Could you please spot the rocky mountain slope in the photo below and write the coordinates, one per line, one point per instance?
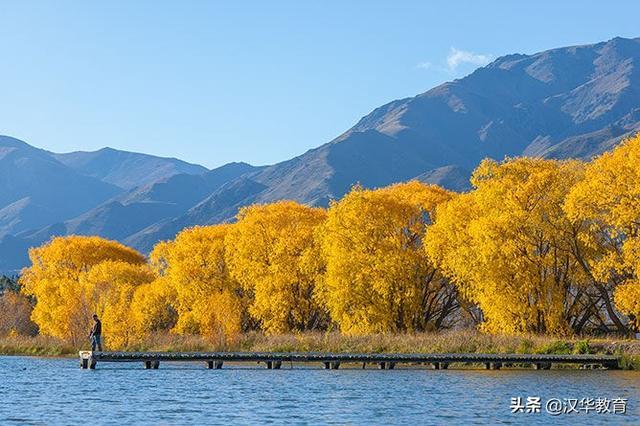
(571, 102)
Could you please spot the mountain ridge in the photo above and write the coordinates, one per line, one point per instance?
(126, 169)
(568, 102)
(36, 188)
(571, 102)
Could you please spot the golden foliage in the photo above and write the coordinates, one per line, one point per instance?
(63, 307)
(607, 202)
(627, 298)
(537, 246)
(378, 277)
(271, 251)
(153, 307)
(507, 245)
(208, 300)
(627, 294)
(108, 288)
(609, 195)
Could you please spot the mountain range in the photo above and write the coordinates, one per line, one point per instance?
(571, 102)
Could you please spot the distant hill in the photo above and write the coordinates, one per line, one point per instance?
(221, 206)
(36, 189)
(571, 102)
(126, 169)
(454, 177)
(131, 212)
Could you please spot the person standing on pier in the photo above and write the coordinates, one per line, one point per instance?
(96, 334)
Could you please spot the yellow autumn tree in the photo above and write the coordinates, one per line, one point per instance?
(627, 298)
(272, 252)
(108, 288)
(378, 277)
(63, 309)
(15, 315)
(627, 294)
(209, 301)
(154, 308)
(155, 305)
(508, 246)
(607, 205)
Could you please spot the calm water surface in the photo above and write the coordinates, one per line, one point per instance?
(56, 391)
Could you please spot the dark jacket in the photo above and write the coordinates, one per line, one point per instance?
(97, 328)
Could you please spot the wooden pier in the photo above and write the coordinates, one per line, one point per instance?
(275, 360)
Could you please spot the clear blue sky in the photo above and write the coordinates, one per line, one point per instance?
(213, 82)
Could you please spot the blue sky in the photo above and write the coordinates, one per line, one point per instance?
(213, 82)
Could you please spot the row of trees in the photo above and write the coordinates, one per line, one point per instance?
(15, 309)
(537, 246)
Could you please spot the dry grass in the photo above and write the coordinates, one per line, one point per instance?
(464, 341)
(36, 346)
(460, 341)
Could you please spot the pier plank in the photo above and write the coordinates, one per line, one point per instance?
(333, 360)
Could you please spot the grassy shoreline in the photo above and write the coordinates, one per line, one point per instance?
(463, 341)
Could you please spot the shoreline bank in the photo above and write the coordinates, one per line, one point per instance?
(463, 341)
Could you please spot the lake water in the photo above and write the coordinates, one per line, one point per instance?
(56, 391)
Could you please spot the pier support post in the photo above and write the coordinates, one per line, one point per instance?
(327, 365)
(151, 364)
(386, 365)
(436, 366)
(88, 364)
(217, 364)
(335, 365)
(487, 365)
(269, 365)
